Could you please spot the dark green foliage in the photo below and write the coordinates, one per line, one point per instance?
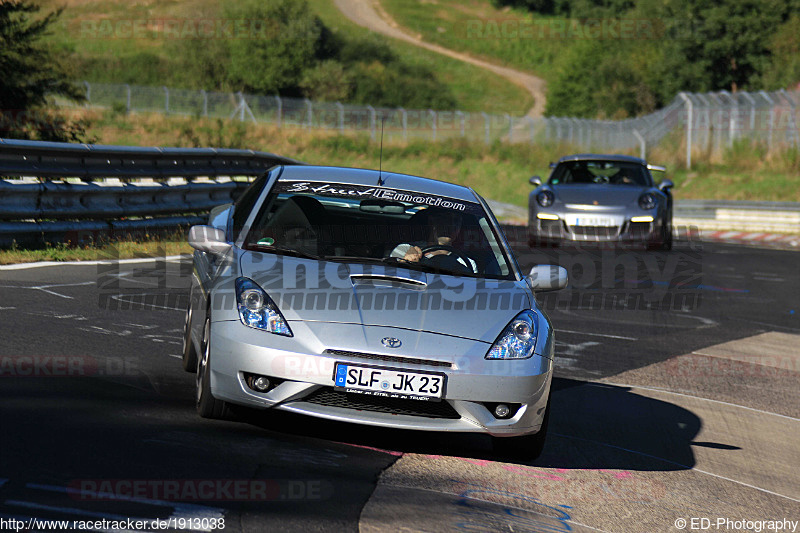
(292, 54)
(699, 45)
(29, 73)
(783, 71)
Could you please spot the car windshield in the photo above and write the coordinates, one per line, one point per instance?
(367, 224)
(602, 172)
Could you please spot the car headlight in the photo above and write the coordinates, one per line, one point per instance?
(647, 201)
(257, 310)
(517, 340)
(545, 198)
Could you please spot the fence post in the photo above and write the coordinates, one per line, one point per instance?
(404, 114)
(731, 117)
(309, 113)
(433, 114)
(88, 93)
(166, 100)
(796, 134)
(532, 122)
(279, 111)
(371, 122)
(752, 111)
(688, 129)
(771, 117)
(127, 98)
(205, 103)
(486, 127)
(510, 120)
(461, 115)
(642, 144)
(341, 116)
(241, 106)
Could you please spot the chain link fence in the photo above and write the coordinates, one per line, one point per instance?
(709, 122)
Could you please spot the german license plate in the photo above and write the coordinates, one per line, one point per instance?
(595, 221)
(389, 382)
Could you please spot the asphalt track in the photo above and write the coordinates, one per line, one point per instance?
(676, 398)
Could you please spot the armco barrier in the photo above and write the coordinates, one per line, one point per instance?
(150, 189)
(124, 189)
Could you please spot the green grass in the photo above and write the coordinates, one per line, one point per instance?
(149, 61)
(106, 251)
(511, 37)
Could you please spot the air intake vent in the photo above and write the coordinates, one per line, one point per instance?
(390, 358)
(332, 398)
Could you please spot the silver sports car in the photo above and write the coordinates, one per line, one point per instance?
(373, 298)
(605, 198)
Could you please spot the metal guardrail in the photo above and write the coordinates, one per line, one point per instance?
(65, 160)
(151, 189)
(716, 215)
(54, 192)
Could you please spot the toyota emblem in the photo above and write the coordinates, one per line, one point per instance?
(391, 342)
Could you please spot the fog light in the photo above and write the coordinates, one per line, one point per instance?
(501, 411)
(261, 384)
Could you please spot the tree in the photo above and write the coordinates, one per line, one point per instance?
(718, 44)
(29, 74)
(279, 42)
(784, 69)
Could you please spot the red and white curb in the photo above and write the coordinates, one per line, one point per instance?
(751, 237)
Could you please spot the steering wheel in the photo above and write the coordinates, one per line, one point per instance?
(455, 253)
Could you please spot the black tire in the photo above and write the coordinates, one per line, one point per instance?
(207, 405)
(525, 448)
(189, 352)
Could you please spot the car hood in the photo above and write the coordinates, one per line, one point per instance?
(609, 195)
(377, 295)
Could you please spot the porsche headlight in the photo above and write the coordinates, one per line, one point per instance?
(545, 198)
(257, 310)
(647, 201)
(518, 339)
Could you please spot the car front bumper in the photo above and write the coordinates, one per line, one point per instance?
(306, 374)
(556, 231)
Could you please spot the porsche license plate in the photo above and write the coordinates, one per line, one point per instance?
(388, 382)
(595, 221)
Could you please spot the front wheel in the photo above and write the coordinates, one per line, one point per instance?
(207, 405)
(189, 359)
(525, 448)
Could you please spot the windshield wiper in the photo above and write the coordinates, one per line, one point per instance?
(281, 250)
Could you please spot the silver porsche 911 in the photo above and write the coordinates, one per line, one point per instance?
(600, 198)
(373, 298)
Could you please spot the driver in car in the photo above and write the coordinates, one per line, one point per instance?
(442, 229)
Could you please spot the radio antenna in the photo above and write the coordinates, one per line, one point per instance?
(380, 158)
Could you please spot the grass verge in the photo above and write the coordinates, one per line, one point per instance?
(109, 251)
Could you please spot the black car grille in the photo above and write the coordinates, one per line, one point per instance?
(333, 398)
(595, 231)
(390, 358)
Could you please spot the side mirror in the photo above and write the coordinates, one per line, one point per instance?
(208, 239)
(665, 185)
(548, 278)
(535, 181)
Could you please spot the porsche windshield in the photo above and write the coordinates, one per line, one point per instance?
(600, 172)
(364, 224)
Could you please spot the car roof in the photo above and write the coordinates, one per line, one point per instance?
(603, 157)
(391, 180)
